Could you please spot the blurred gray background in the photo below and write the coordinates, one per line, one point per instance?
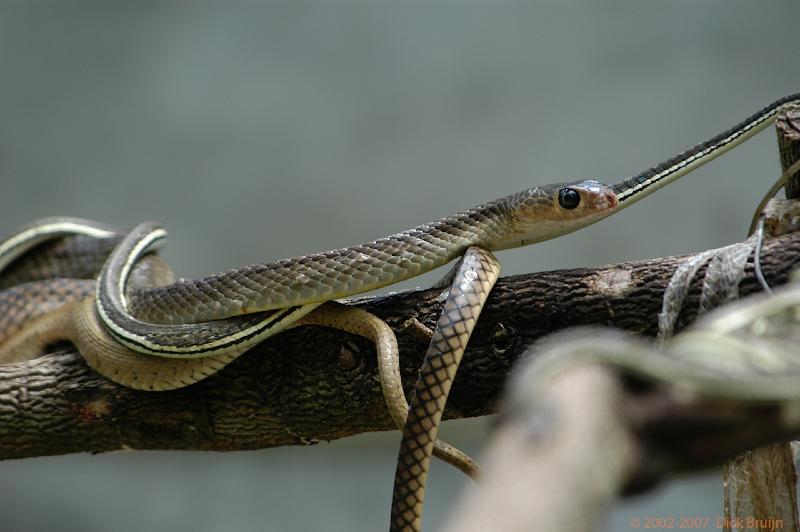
(256, 131)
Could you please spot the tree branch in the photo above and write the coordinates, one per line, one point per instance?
(313, 384)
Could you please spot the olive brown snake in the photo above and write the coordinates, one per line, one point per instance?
(205, 323)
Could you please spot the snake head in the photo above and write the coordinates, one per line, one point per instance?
(583, 198)
(548, 211)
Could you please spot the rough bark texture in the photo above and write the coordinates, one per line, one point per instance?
(308, 385)
(788, 129)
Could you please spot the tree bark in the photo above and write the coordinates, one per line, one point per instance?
(788, 129)
(313, 384)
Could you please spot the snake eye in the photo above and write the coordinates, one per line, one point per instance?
(568, 198)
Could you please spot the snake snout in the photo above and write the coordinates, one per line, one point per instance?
(604, 199)
(609, 198)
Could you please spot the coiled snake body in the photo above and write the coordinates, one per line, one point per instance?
(194, 327)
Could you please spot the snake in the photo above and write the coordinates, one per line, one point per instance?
(47, 300)
(228, 312)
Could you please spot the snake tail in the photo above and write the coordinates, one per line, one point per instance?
(473, 281)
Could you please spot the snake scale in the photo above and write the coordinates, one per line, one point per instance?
(218, 317)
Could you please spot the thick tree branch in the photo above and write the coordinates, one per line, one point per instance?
(317, 384)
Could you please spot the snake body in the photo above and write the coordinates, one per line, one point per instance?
(56, 247)
(472, 282)
(525, 217)
(43, 308)
(215, 310)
